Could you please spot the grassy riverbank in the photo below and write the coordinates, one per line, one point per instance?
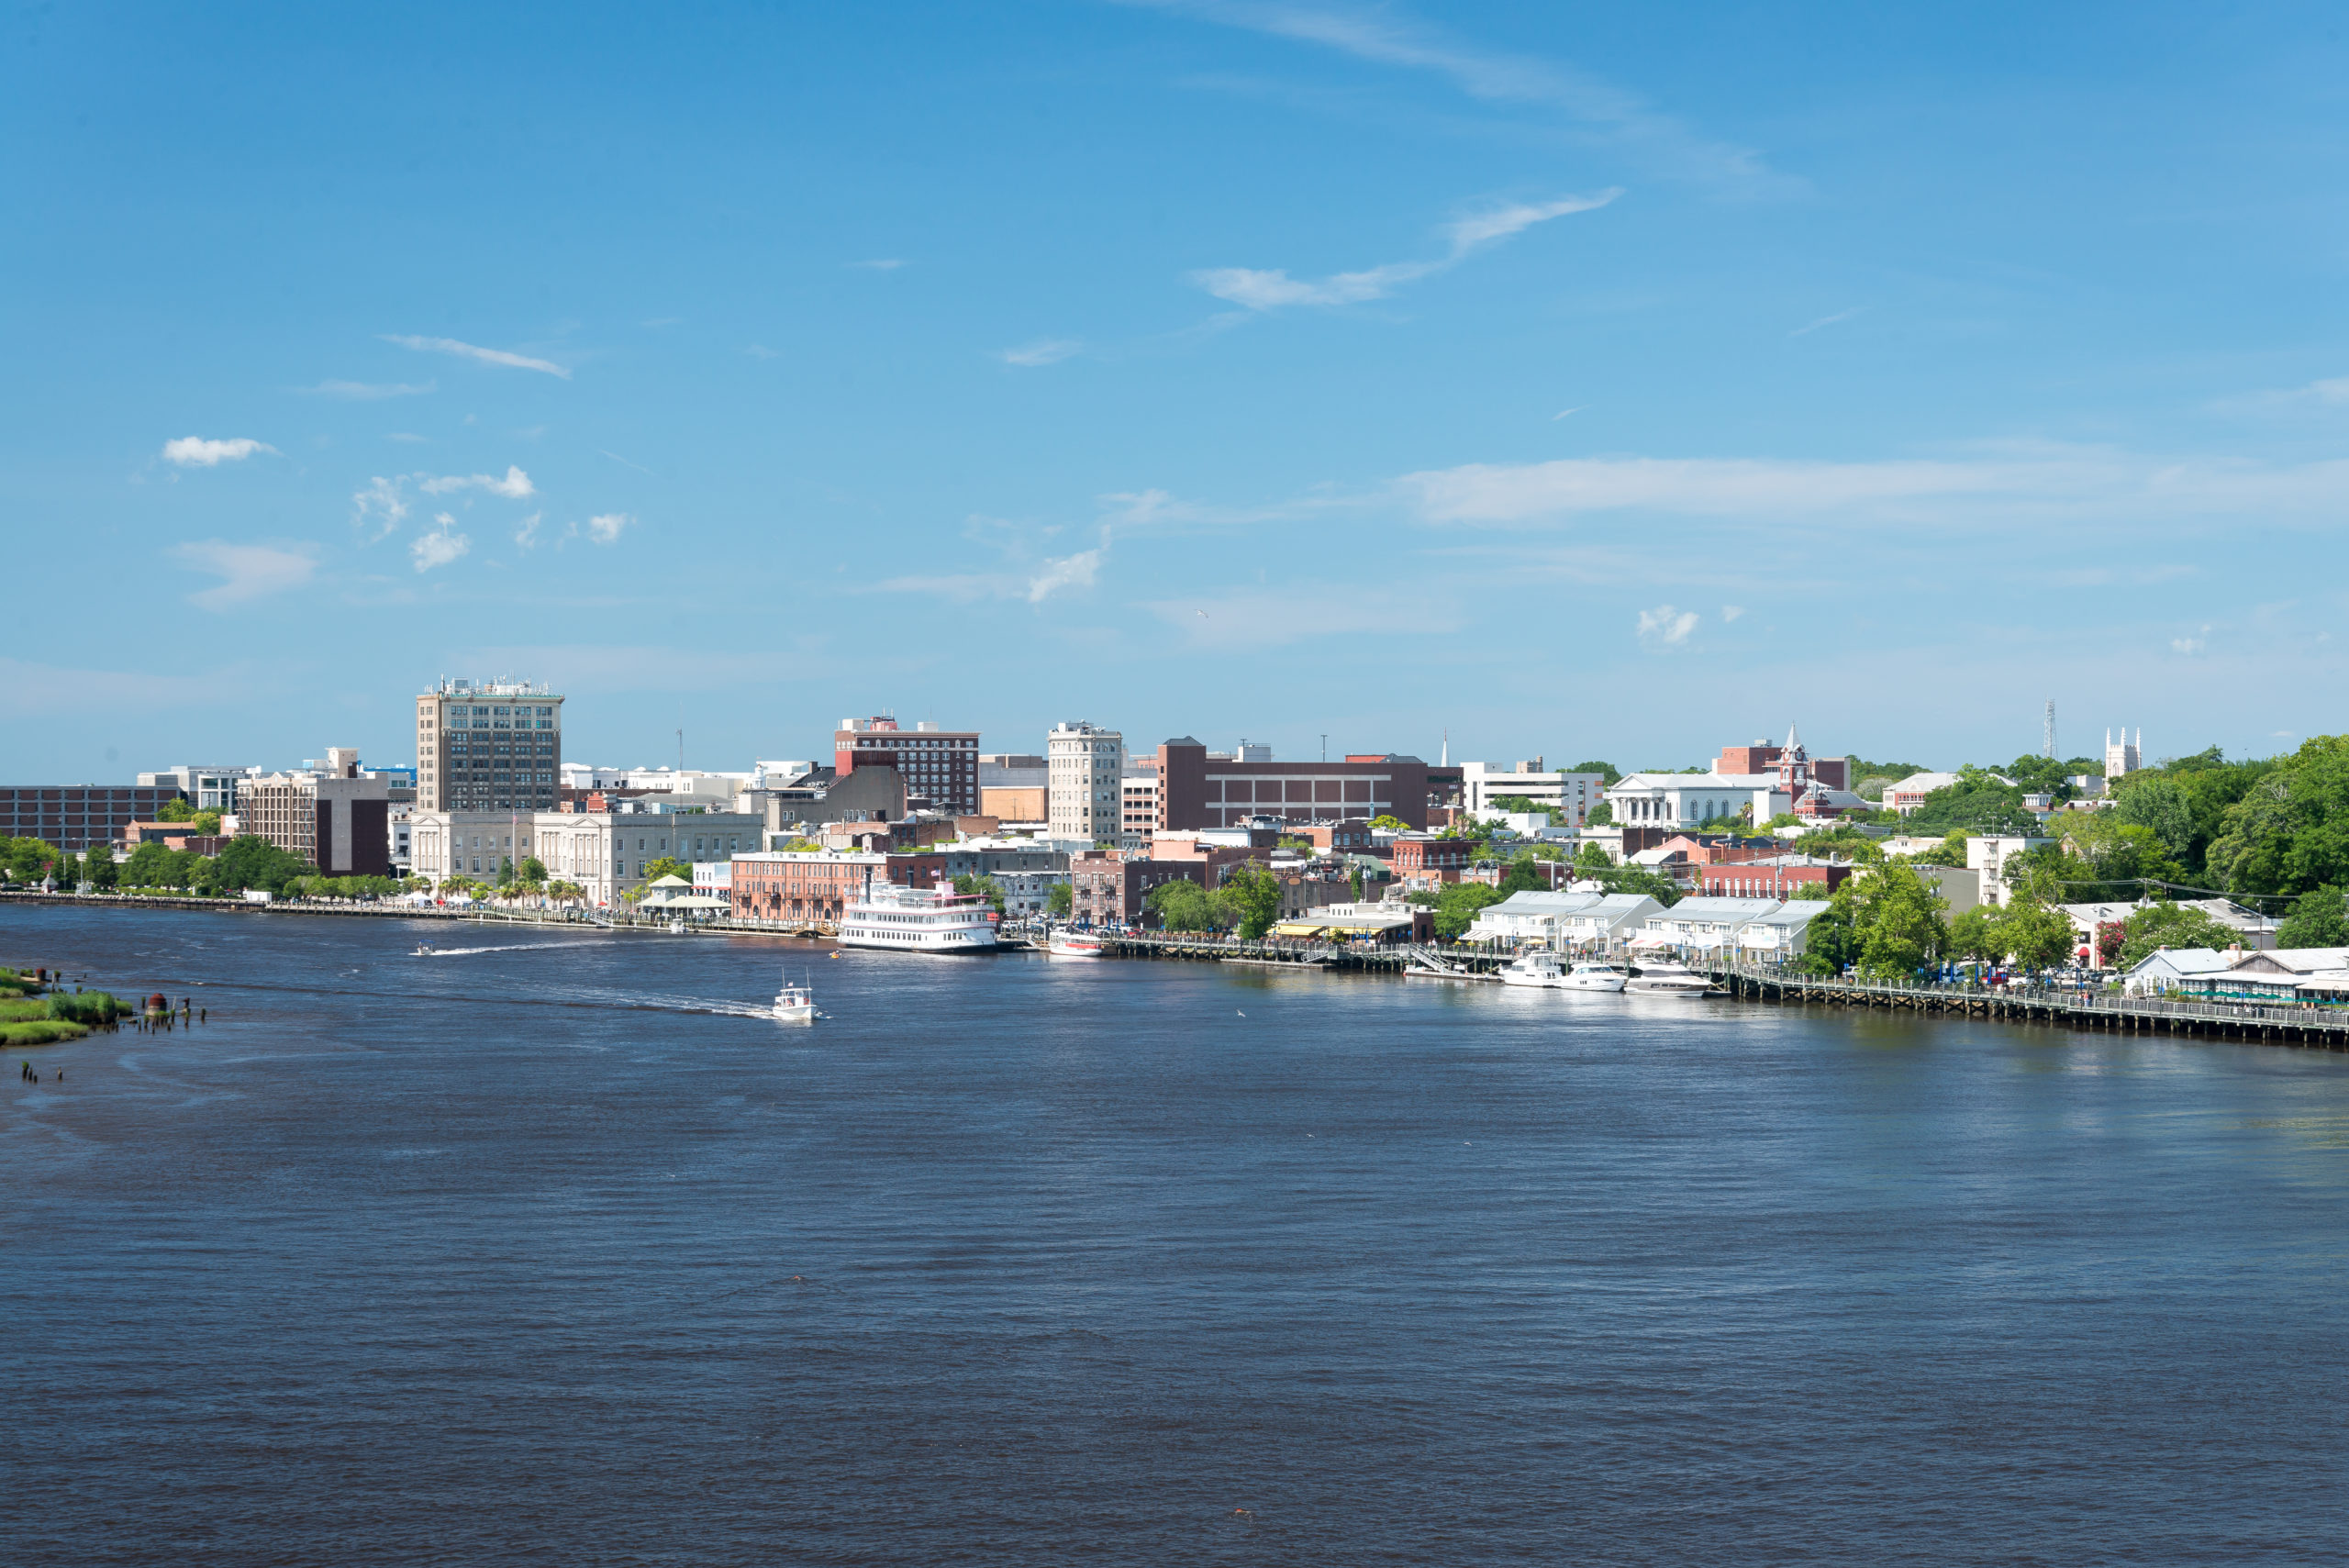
(32, 1015)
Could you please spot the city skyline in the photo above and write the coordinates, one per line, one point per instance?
(1263, 369)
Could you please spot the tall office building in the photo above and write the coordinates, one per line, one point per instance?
(1086, 782)
(488, 746)
(940, 764)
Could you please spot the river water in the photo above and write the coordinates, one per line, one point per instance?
(549, 1251)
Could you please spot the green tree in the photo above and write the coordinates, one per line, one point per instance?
(175, 809)
(2118, 853)
(1897, 916)
(150, 865)
(1522, 877)
(1456, 905)
(1832, 942)
(1391, 824)
(98, 868)
(207, 824)
(1977, 934)
(666, 866)
(2319, 919)
(981, 886)
(1950, 852)
(1353, 883)
(2289, 830)
(1977, 801)
(2038, 935)
(1613, 774)
(1255, 898)
(1061, 901)
(30, 859)
(252, 862)
(1184, 905)
(2166, 924)
(533, 872)
(1600, 815)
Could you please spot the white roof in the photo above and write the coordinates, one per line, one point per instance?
(1696, 781)
(2187, 961)
(1614, 907)
(1713, 909)
(1793, 912)
(1533, 903)
(2299, 960)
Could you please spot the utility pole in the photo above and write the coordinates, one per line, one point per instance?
(1325, 747)
(2047, 741)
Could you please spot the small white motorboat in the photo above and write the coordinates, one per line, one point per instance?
(794, 1004)
(1667, 979)
(423, 949)
(1539, 968)
(1073, 944)
(1594, 977)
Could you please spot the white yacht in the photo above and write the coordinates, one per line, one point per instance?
(1538, 968)
(1594, 977)
(794, 1004)
(919, 919)
(1073, 944)
(1670, 977)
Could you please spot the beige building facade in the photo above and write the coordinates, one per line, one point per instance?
(488, 746)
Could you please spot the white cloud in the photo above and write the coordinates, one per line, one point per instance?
(361, 391)
(474, 351)
(1664, 626)
(883, 264)
(2030, 488)
(1731, 612)
(605, 529)
(2190, 646)
(1621, 118)
(528, 534)
(246, 571)
(196, 452)
(515, 486)
(382, 506)
(1050, 351)
(404, 436)
(440, 547)
(1809, 326)
(1077, 570)
(1250, 618)
(1270, 289)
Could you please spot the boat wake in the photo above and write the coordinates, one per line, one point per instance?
(502, 947)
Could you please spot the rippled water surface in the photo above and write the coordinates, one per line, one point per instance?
(546, 1252)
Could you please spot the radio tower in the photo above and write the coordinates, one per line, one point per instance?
(2047, 741)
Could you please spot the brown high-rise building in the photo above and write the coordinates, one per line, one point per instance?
(488, 746)
(1199, 790)
(940, 765)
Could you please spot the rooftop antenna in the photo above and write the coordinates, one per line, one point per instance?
(681, 750)
(1446, 753)
(2047, 741)
(1325, 747)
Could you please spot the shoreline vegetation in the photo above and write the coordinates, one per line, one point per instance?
(34, 1011)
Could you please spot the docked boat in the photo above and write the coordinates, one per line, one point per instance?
(1594, 977)
(794, 1004)
(1539, 968)
(1073, 944)
(1668, 978)
(919, 920)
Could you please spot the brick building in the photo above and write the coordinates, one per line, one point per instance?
(1110, 886)
(1196, 790)
(73, 816)
(334, 819)
(939, 765)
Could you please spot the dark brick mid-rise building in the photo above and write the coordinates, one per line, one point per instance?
(73, 816)
(939, 765)
(1197, 791)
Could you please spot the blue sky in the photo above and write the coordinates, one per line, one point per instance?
(1617, 382)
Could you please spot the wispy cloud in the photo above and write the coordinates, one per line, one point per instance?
(605, 528)
(367, 390)
(1050, 351)
(515, 486)
(247, 571)
(1731, 612)
(1246, 620)
(196, 452)
(625, 463)
(1066, 571)
(1617, 118)
(1809, 326)
(476, 353)
(2189, 647)
(2030, 487)
(1254, 288)
(2331, 393)
(379, 508)
(528, 534)
(758, 351)
(1664, 626)
(1568, 412)
(440, 547)
(880, 264)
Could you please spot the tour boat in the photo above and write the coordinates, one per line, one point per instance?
(1073, 944)
(919, 919)
(1668, 978)
(794, 1004)
(1594, 977)
(1538, 968)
